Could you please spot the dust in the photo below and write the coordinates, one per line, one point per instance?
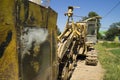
(30, 36)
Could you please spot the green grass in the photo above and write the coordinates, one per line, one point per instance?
(115, 52)
(110, 60)
(111, 45)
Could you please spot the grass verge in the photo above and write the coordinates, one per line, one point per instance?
(111, 44)
(110, 60)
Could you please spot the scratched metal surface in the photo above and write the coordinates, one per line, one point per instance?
(27, 41)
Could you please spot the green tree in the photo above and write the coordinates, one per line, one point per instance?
(113, 31)
(84, 18)
(58, 31)
(92, 14)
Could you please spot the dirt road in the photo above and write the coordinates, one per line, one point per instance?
(87, 72)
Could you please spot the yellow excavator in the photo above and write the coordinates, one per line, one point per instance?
(28, 42)
(75, 40)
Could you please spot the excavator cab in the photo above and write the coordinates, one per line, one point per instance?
(92, 32)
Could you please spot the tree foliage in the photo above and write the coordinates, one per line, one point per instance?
(84, 18)
(58, 31)
(92, 14)
(113, 31)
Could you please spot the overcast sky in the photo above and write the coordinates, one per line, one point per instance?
(102, 7)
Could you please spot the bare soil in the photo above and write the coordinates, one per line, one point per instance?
(87, 72)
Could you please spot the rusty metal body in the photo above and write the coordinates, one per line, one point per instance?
(75, 41)
(27, 41)
(71, 42)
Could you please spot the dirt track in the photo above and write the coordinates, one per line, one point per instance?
(87, 72)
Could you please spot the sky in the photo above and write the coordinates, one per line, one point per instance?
(101, 7)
